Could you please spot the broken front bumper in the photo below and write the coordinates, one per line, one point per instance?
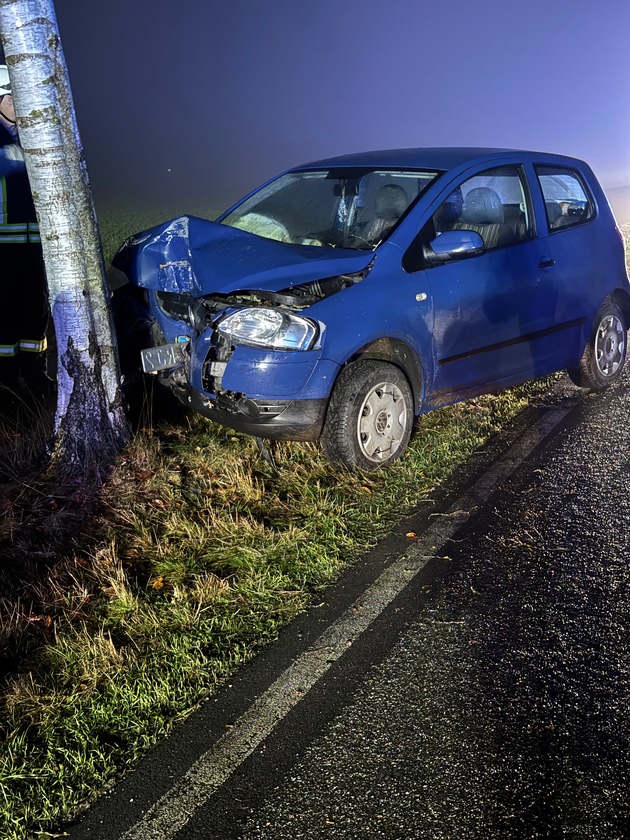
(272, 419)
(270, 394)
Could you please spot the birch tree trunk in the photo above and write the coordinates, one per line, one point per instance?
(90, 423)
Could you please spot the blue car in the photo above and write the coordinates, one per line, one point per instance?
(348, 296)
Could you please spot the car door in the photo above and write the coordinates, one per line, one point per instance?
(573, 243)
(491, 311)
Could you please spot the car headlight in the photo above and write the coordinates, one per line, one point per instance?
(273, 328)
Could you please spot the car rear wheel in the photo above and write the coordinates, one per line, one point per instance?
(370, 416)
(605, 354)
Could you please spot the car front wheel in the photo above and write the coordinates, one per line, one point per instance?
(369, 417)
(605, 354)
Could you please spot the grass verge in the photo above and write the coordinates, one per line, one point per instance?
(195, 553)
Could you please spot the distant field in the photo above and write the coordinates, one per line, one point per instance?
(116, 226)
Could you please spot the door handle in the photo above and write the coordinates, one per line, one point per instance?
(547, 262)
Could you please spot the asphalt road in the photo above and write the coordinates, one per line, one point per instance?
(473, 685)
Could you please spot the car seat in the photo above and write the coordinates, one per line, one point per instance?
(483, 213)
(390, 203)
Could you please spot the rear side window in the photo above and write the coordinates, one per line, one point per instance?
(567, 200)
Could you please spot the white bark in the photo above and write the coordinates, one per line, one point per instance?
(90, 423)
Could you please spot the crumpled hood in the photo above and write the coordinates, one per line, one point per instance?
(199, 257)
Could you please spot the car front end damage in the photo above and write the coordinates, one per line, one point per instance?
(251, 359)
(245, 380)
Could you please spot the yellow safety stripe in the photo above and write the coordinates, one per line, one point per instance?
(8, 350)
(30, 346)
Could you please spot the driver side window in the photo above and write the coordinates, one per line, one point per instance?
(493, 203)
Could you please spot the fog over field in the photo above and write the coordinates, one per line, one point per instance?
(204, 101)
(619, 198)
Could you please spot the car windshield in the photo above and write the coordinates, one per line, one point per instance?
(337, 207)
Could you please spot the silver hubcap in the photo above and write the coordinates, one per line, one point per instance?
(382, 422)
(610, 345)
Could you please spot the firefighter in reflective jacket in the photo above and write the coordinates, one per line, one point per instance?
(24, 310)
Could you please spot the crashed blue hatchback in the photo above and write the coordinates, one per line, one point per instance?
(348, 296)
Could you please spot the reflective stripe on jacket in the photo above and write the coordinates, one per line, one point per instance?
(18, 221)
(25, 345)
(18, 231)
(29, 345)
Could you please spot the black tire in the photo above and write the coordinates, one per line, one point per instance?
(370, 416)
(603, 359)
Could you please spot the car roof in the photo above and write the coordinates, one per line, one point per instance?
(434, 157)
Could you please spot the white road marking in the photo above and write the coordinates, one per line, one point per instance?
(175, 808)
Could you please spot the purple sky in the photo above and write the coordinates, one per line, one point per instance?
(226, 93)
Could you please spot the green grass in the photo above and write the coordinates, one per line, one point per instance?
(194, 554)
(200, 552)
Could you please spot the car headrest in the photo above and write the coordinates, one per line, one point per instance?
(391, 202)
(482, 206)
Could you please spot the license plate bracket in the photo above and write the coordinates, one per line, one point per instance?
(164, 357)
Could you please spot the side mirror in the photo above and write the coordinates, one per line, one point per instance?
(455, 245)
